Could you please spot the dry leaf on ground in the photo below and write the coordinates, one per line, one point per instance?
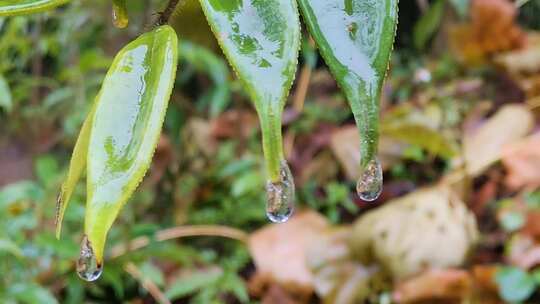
(428, 229)
(526, 60)
(338, 277)
(522, 160)
(492, 28)
(279, 251)
(434, 284)
(483, 146)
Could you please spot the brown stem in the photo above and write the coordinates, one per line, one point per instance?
(147, 284)
(167, 12)
(178, 232)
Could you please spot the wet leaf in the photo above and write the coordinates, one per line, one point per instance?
(77, 165)
(129, 114)
(21, 7)
(261, 40)
(355, 38)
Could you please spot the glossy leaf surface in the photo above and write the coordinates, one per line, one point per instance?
(261, 41)
(355, 38)
(21, 7)
(129, 114)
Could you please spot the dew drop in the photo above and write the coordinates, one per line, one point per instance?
(280, 196)
(370, 184)
(119, 20)
(88, 268)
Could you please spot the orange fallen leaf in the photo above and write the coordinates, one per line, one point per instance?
(434, 285)
(492, 28)
(279, 251)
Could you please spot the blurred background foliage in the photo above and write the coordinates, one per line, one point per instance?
(460, 148)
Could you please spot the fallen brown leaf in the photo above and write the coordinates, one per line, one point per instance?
(522, 160)
(430, 228)
(524, 252)
(434, 285)
(483, 146)
(279, 251)
(492, 28)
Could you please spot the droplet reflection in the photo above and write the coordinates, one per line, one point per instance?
(280, 196)
(370, 184)
(88, 268)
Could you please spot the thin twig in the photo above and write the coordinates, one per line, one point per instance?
(178, 232)
(303, 84)
(167, 12)
(147, 284)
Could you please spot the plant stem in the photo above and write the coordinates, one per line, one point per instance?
(167, 12)
(178, 232)
(146, 283)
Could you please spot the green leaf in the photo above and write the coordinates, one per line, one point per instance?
(355, 38)
(30, 293)
(22, 7)
(190, 283)
(428, 24)
(261, 40)
(203, 60)
(6, 102)
(46, 168)
(77, 165)
(417, 134)
(515, 285)
(129, 114)
(6, 245)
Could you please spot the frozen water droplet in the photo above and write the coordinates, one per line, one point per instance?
(88, 268)
(370, 184)
(280, 196)
(119, 17)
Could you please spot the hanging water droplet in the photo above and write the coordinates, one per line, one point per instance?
(119, 14)
(280, 196)
(119, 20)
(370, 183)
(88, 268)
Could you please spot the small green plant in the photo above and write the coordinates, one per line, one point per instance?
(261, 40)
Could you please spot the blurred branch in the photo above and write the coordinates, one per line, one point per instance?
(301, 91)
(178, 232)
(147, 284)
(167, 12)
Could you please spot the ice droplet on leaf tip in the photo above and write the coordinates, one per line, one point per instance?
(280, 196)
